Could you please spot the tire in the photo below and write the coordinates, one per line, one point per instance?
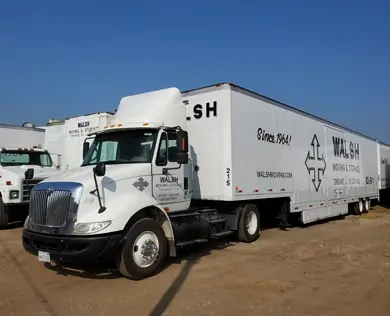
(130, 258)
(249, 224)
(4, 216)
(358, 208)
(367, 205)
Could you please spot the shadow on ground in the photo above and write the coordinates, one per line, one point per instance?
(189, 254)
(108, 270)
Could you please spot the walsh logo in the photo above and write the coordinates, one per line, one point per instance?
(315, 163)
(169, 179)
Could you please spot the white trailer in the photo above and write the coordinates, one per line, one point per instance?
(19, 136)
(166, 175)
(64, 139)
(20, 151)
(384, 172)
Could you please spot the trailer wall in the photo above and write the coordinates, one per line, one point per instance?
(278, 151)
(250, 147)
(26, 137)
(384, 166)
(208, 124)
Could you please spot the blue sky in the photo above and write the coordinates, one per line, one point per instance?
(68, 58)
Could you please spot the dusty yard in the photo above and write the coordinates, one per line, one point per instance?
(341, 267)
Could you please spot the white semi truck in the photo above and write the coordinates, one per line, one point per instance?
(176, 169)
(64, 139)
(384, 172)
(20, 151)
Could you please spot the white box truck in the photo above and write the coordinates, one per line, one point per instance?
(20, 152)
(384, 172)
(166, 175)
(64, 139)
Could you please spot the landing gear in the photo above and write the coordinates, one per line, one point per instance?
(284, 217)
(144, 250)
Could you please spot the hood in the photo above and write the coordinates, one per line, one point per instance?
(39, 172)
(115, 173)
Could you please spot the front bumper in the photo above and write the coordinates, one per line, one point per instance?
(73, 249)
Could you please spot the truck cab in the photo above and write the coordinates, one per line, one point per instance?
(15, 187)
(130, 200)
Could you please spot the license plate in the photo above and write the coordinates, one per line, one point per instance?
(43, 256)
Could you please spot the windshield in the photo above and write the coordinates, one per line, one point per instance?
(130, 146)
(20, 158)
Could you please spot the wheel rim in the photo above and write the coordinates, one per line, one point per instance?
(145, 249)
(367, 205)
(251, 222)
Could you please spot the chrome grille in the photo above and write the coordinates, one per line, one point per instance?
(50, 207)
(27, 187)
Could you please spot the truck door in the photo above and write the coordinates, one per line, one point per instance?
(170, 186)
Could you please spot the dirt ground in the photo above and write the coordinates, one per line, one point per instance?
(339, 267)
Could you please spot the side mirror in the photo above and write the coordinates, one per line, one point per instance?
(181, 158)
(182, 141)
(100, 169)
(85, 148)
(29, 174)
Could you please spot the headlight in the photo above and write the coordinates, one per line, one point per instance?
(14, 194)
(90, 228)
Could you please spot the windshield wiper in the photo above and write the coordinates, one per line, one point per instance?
(109, 162)
(116, 161)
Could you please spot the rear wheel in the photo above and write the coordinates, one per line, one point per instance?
(249, 224)
(367, 205)
(144, 250)
(3, 215)
(358, 208)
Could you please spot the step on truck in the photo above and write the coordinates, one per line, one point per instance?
(177, 169)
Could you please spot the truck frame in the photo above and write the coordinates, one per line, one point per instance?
(15, 186)
(177, 169)
(20, 148)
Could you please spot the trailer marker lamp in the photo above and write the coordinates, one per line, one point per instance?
(14, 194)
(8, 183)
(90, 228)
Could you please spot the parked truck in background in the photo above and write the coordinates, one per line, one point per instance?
(64, 139)
(21, 148)
(177, 169)
(384, 172)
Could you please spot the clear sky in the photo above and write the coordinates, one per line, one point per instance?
(68, 58)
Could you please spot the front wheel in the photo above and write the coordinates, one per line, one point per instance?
(144, 250)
